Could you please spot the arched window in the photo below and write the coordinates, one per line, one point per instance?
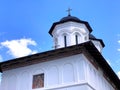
(77, 38)
(65, 40)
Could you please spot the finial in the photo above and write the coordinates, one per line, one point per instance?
(69, 11)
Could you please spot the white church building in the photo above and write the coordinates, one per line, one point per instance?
(76, 63)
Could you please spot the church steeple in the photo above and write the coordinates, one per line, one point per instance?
(71, 30)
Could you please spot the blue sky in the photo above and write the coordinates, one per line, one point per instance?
(24, 25)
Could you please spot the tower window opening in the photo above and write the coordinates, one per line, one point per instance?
(76, 39)
(65, 41)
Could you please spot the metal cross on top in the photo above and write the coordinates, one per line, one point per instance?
(69, 11)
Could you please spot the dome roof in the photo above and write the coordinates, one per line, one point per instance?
(69, 18)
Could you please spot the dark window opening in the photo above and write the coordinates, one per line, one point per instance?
(76, 39)
(65, 41)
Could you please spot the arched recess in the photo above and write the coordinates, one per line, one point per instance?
(65, 39)
(77, 38)
(68, 73)
(4, 82)
(81, 33)
(12, 82)
(53, 76)
(81, 69)
(24, 81)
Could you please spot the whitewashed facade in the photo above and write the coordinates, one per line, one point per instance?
(70, 29)
(70, 73)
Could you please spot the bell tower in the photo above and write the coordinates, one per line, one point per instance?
(71, 30)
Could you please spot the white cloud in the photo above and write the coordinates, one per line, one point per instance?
(118, 49)
(118, 74)
(119, 41)
(19, 48)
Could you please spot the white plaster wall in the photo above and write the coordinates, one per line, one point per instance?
(70, 73)
(69, 29)
(95, 77)
(97, 45)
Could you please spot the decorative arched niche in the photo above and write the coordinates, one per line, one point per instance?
(53, 76)
(68, 73)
